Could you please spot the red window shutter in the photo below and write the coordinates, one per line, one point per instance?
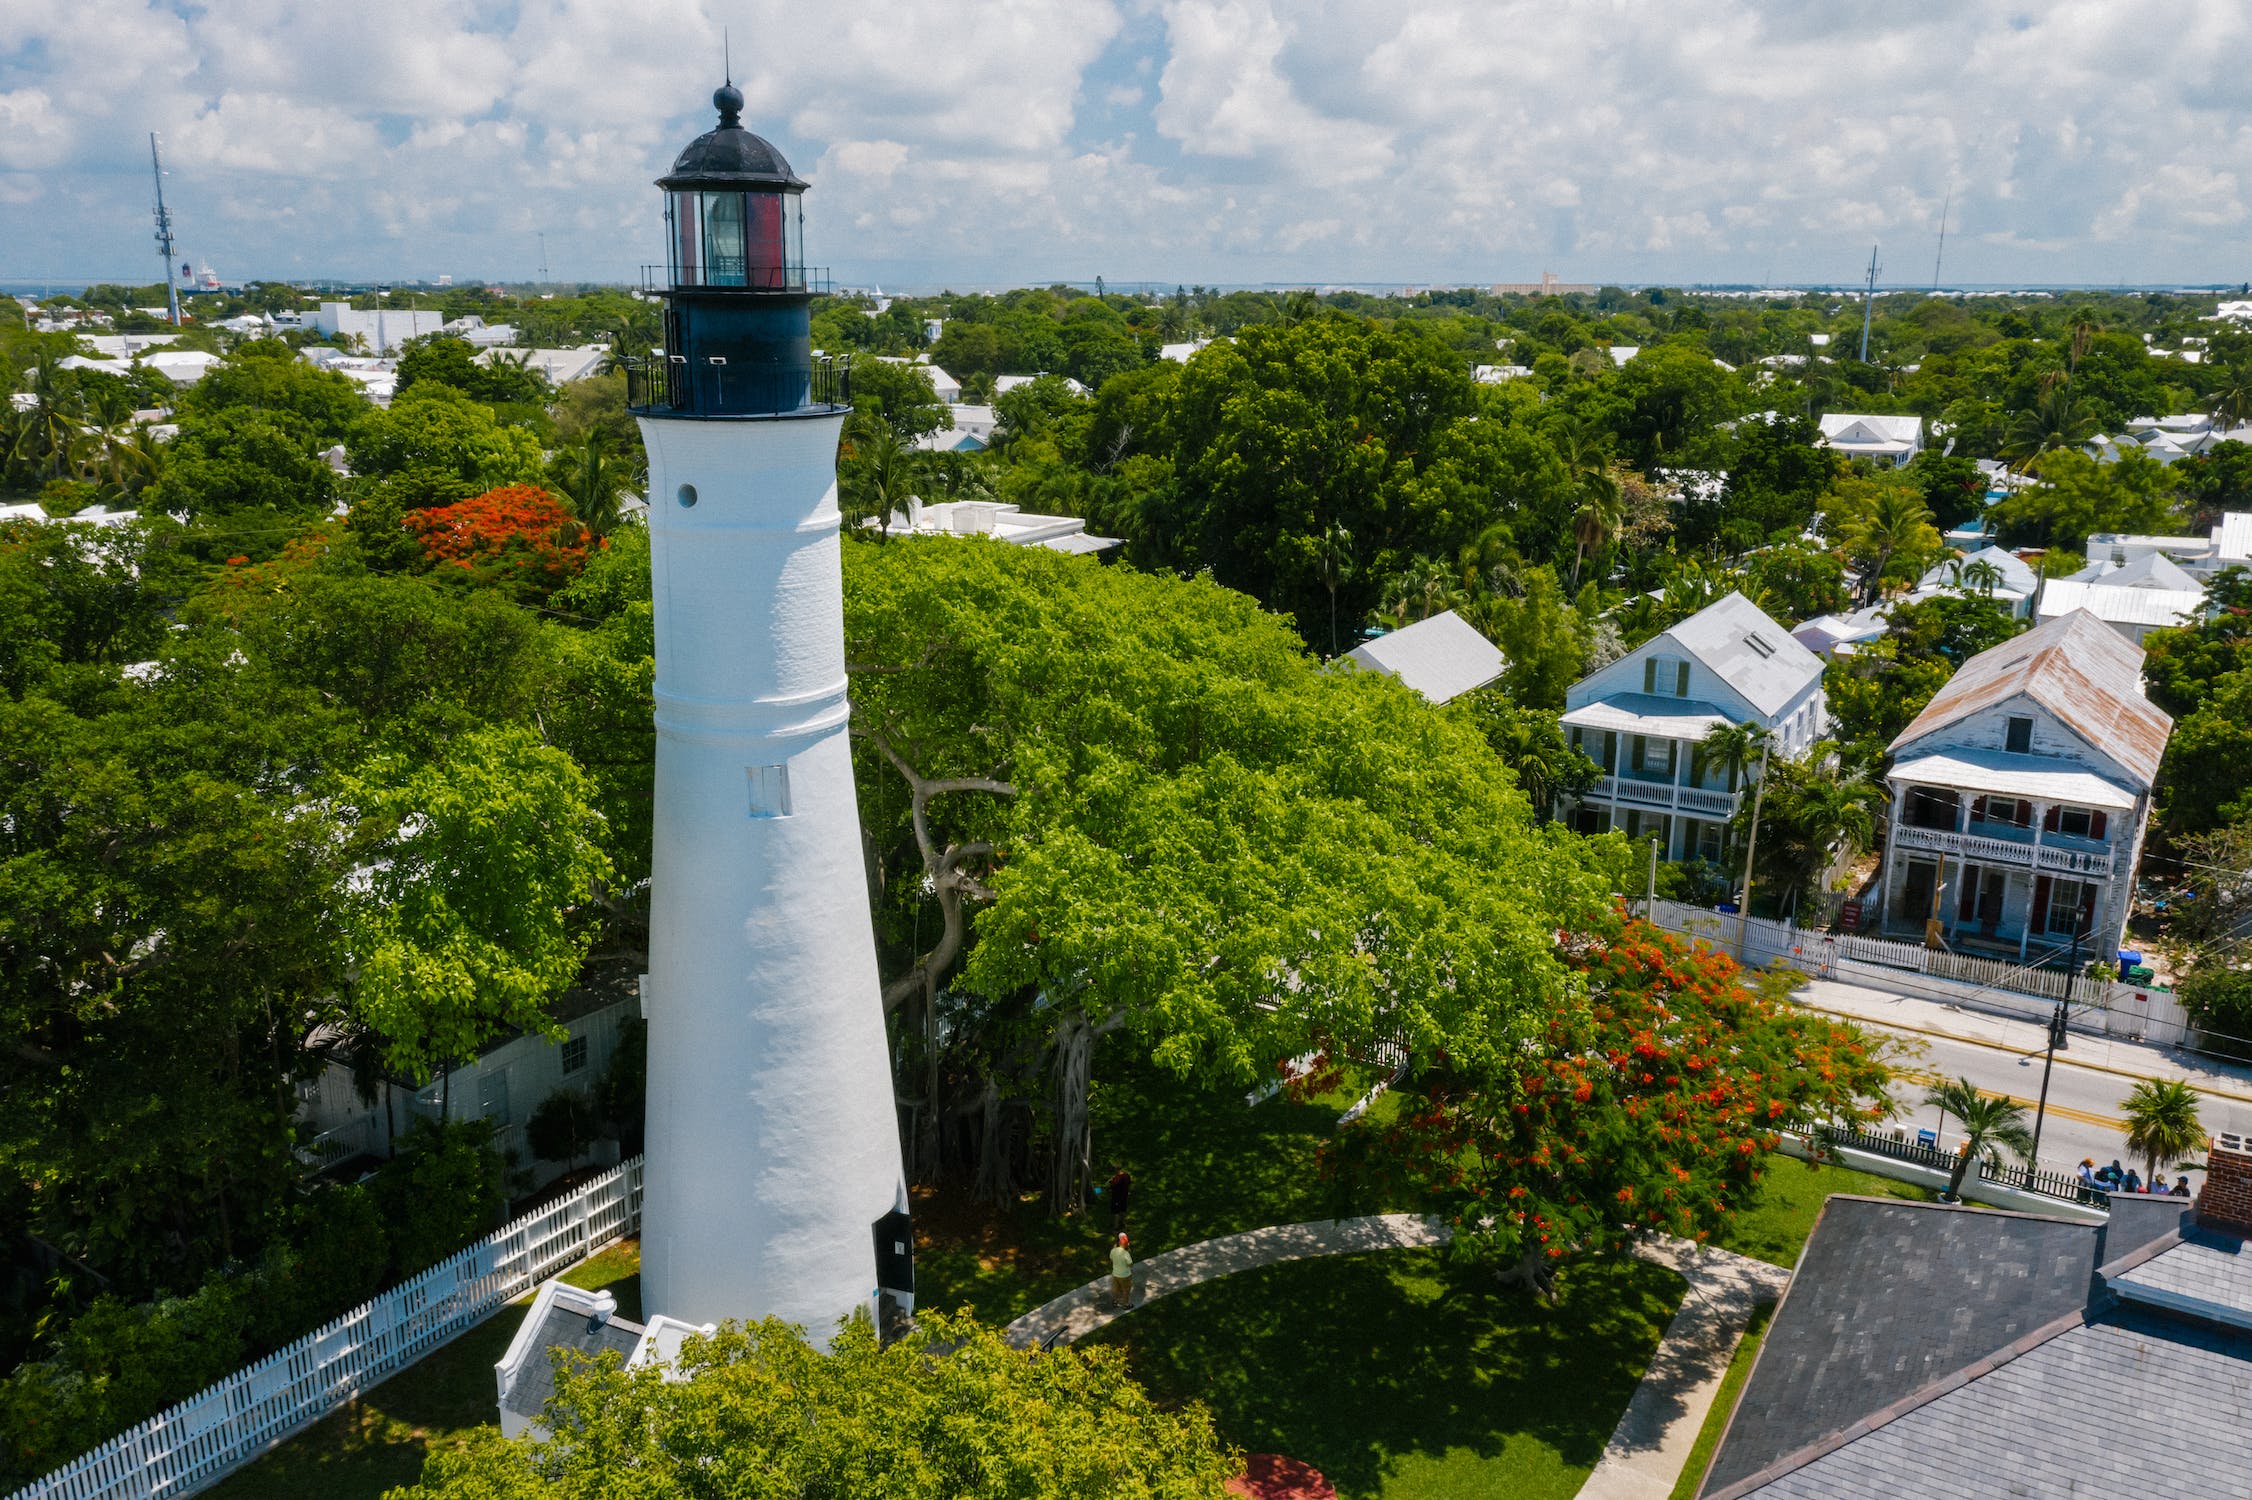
(1966, 900)
(2087, 904)
(2040, 917)
(2097, 823)
(2049, 823)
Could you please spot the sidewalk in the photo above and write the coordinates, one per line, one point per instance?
(2127, 1059)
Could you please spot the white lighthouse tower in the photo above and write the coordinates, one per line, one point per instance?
(774, 1183)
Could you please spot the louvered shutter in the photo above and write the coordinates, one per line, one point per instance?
(1966, 900)
(1681, 679)
(2097, 822)
(2040, 917)
(1649, 674)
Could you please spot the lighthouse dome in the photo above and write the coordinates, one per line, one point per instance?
(730, 156)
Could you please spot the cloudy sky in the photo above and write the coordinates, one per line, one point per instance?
(1004, 141)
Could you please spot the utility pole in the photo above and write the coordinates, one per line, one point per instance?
(1946, 204)
(164, 233)
(543, 257)
(2057, 1039)
(1751, 847)
(1868, 300)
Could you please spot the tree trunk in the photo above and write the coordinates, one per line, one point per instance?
(1069, 1173)
(1531, 1273)
(1955, 1178)
(993, 1179)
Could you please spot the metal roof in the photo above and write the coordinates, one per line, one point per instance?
(2034, 777)
(730, 156)
(1748, 651)
(2017, 576)
(1647, 713)
(1441, 658)
(2121, 604)
(2078, 668)
(2232, 538)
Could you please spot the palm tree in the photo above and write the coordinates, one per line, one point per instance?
(2162, 1123)
(2232, 398)
(592, 482)
(1732, 746)
(1825, 816)
(1335, 547)
(2056, 419)
(1897, 523)
(1990, 1124)
(1419, 591)
(1602, 511)
(879, 475)
(1979, 574)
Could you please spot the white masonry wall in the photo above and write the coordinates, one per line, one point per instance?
(773, 1145)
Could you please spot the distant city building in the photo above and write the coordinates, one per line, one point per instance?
(1547, 286)
(383, 330)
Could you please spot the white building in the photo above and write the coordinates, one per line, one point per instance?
(1002, 522)
(1889, 439)
(475, 330)
(1442, 657)
(1991, 572)
(559, 366)
(1003, 384)
(947, 388)
(1644, 717)
(564, 1319)
(2021, 793)
(2133, 612)
(382, 330)
(976, 421)
(1180, 354)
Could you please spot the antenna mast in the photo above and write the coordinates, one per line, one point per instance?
(543, 257)
(164, 233)
(1868, 299)
(1946, 204)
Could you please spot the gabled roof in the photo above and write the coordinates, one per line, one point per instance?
(2152, 570)
(562, 1317)
(2017, 576)
(2232, 538)
(2149, 607)
(2080, 670)
(1441, 658)
(1848, 429)
(1749, 651)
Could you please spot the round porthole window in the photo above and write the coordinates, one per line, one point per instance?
(686, 494)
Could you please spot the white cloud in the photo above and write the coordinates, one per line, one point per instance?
(1175, 139)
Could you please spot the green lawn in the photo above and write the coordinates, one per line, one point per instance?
(1204, 1163)
(379, 1440)
(1791, 1194)
(1723, 1404)
(1397, 1376)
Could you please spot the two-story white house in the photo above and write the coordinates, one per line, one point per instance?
(1644, 718)
(2020, 795)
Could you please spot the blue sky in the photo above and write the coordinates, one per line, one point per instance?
(1003, 141)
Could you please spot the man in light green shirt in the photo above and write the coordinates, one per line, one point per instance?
(1121, 1274)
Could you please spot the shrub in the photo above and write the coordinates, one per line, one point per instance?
(443, 1191)
(2218, 997)
(564, 1128)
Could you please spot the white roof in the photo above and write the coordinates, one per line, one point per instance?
(2028, 776)
(2152, 570)
(560, 366)
(1441, 658)
(2121, 606)
(2017, 576)
(1003, 383)
(1079, 543)
(1621, 353)
(1872, 433)
(1647, 713)
(1748, 651)
(2232, 538)
(1179, 353)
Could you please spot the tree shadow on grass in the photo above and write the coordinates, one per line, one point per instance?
(1394, 1372)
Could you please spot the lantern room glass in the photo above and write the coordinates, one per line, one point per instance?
(753, 240)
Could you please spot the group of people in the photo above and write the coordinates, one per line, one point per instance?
(2115, 1179)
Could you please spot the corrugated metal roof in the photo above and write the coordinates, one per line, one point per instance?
(2232, 539)
(1646, 713)
(2034, 777)
(1749, 651)
(1441, 658)
(2121, 605)
(2076, 667)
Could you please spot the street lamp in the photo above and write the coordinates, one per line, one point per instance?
(2057, 1039)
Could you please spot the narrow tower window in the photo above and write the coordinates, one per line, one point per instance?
(770, 791)
(686, 495)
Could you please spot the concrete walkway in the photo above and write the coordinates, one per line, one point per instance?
(2119, 1055)
(1074, 1315)
(1660, 1425)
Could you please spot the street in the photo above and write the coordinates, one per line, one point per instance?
(2004, 1056)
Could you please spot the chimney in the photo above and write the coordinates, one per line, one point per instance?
(2225, 1202)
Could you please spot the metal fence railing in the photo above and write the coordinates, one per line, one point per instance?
(210, 1435)
(2060, 1185)
(676, 386)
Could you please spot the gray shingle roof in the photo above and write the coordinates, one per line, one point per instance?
(1888, 1297)
(2206, 1266)
(1721, 636)
(564, 1328)
(2132, 1406)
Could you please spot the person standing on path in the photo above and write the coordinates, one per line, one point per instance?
(1121, 1274)
(1121, 1198)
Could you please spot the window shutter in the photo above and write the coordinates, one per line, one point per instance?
(1649, 674)
(1681, 679)
(1673, 758)
(1966, 900)
(2049, 823)
(2040, 918)
(2098, 821)
(2087, 904)
(1641, 748)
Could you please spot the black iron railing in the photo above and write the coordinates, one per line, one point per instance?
(733, 274)
(712, 388)
(2049, 1184)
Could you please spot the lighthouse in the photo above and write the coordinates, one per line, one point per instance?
(774, 1183)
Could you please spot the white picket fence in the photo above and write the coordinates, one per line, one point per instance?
(210, 1435)
(2024, 991)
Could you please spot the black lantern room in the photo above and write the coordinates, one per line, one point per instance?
(738, 325)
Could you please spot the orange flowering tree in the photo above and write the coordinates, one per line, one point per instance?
(1648, 1106)
(518, 536)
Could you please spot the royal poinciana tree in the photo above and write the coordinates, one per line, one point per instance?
(1649, 1104)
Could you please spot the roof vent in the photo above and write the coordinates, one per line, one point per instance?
(1760, 644)
(604, 1308)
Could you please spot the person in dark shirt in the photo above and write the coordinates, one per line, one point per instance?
(1121, 1198)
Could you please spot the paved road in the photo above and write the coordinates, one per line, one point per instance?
(2005, 1057)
